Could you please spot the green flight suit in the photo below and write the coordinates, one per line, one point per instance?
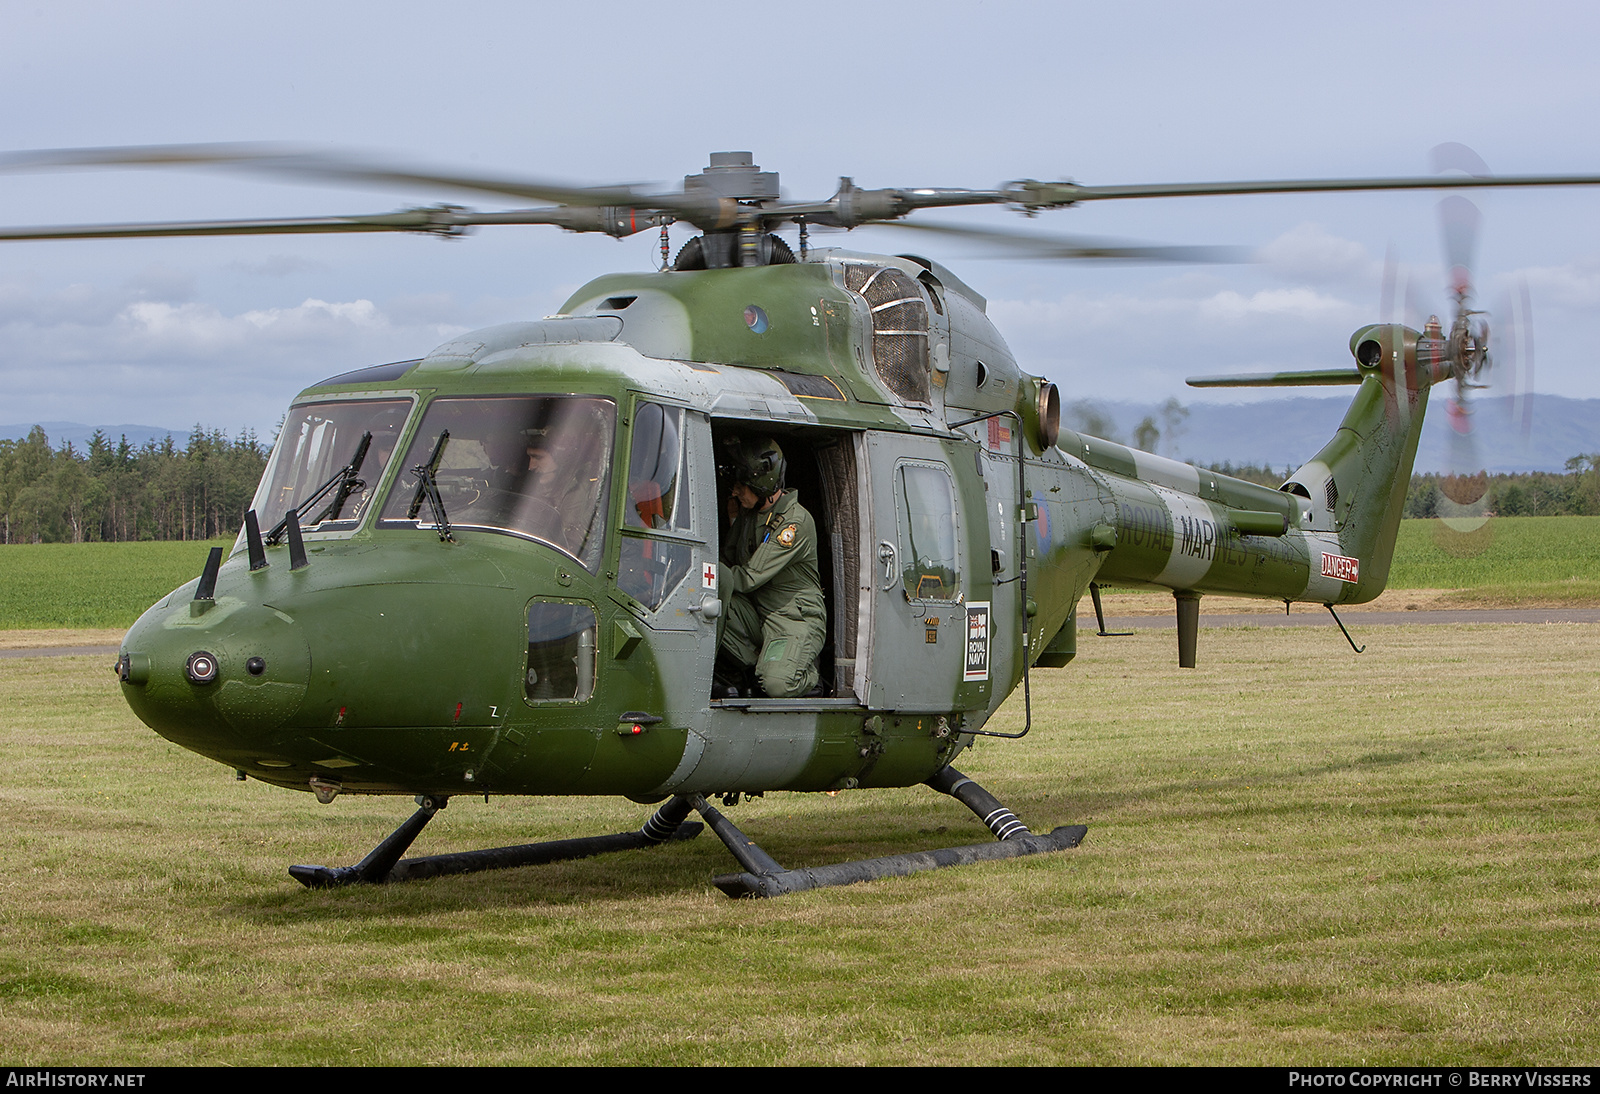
(774, 617)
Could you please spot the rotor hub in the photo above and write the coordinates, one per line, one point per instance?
(734, 175)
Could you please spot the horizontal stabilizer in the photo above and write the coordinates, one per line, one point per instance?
(1320, 377)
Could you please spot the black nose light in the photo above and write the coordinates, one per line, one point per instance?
(255, 666)
(133, 668)
(202, 667)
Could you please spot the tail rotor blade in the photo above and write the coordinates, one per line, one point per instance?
(1458, 222)
(1513, 350)
(1527, 359)
(1465, 504)
(1454, 156)
(1386, 298)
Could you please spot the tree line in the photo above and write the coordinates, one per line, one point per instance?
(1572, 493)
(1575, 493)
(114, 490)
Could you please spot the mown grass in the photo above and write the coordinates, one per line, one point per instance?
(92, 584)
(1295, 855)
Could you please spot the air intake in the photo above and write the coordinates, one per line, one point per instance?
(899, 328)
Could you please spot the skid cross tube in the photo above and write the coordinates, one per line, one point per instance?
(384, 864)
(763, 876)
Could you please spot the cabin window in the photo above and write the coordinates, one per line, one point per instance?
(534, 466)
(317, 442)
(561, 643)
(925, 498)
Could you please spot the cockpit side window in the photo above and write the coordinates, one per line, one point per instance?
(655, 468)
(652, 566)
(535, 466)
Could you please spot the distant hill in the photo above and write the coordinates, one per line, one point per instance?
(1287, 432)
(78, 433)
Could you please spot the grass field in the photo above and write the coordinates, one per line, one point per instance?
(92, 584)
(1549, 559)
(1295, 855)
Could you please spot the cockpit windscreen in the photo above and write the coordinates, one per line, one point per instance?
(533, 465)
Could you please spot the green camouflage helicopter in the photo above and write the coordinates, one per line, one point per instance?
(402, 614)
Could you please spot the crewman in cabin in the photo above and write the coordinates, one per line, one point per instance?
(775, 620)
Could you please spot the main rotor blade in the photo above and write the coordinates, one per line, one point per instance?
(1077, 248)
(1031, 193)
(441, 220)
(314, 165)
(848, 208)
(395, 222)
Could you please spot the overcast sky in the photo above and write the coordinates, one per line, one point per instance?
(224, 332)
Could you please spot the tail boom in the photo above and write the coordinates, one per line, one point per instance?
(1325, 536)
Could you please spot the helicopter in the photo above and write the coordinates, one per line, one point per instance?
(404, 614)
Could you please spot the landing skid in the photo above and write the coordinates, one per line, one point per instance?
(384, 863)
(762, 875)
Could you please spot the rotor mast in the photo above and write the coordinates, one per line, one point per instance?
(734, 177)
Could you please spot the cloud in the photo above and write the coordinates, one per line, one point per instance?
(1309, 253)
(151, 328)
(1122, 345)
(92, 354)
(1304, 305)
(1170, 316)
(1575, 285)
(71, 305)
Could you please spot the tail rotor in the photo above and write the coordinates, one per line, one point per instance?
(1464, 349)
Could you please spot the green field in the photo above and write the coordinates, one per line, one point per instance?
(1295, 855)
(1535, 557)
(92, 584)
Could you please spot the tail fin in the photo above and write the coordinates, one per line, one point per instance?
(1355, 487)
(1353, 492)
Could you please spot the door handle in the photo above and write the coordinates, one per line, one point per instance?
(887, 555)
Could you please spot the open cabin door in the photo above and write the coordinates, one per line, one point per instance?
(668, 556)
(920, 553)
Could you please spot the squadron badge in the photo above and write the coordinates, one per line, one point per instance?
(786, 537)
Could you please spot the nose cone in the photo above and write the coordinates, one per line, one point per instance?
(388, 670)
(215, 677)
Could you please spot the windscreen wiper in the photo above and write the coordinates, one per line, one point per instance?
(347, 482)
(428, 487)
